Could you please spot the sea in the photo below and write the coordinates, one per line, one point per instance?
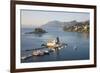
(77, 48)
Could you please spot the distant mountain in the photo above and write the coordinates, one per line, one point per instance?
(52, 24)
(58, 24)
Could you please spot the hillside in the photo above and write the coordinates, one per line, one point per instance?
(79, 27)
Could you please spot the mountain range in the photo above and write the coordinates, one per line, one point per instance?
(72, 26)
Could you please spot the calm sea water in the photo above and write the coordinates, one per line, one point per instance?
(73, 39)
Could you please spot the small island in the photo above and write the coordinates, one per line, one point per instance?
(37, 31)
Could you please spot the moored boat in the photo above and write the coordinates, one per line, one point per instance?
(37, 53)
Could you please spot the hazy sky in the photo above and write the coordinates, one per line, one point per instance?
(38, 18)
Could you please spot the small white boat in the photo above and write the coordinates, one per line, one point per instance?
(46, 51)
(24, 57)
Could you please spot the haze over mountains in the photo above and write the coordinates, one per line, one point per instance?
(57, 24)
(72, 26)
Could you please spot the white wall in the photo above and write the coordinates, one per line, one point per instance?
(5, 36)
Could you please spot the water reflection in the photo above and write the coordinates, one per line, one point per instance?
(85, 35)
(38, 35)
(57, 53)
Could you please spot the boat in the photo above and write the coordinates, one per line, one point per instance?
(25, 57)
(46, 52)
(38, 53)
